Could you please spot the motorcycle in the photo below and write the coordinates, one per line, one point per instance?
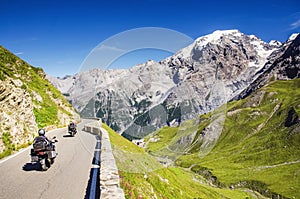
(43, 154)
(72, 130)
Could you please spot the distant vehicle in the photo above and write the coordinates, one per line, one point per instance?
(72, 129)
(43, 152)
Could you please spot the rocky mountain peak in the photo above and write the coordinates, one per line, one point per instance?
(282, 64)
(275, 43)
(198, 78)
(216, 36)
(224, 55)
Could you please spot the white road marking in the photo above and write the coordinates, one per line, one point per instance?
(14, 155)
(22, 150)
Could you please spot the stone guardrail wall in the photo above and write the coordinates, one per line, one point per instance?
(109, 177)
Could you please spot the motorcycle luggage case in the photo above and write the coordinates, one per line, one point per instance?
(39, 145)
(34, 158)
(51, 154)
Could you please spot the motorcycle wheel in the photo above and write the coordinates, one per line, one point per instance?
(46, 164)
(44, 167)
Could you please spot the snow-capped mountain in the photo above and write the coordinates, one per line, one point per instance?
(228, 55)
(284, 63)
(197, 79)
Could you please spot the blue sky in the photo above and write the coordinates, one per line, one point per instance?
(58, 35)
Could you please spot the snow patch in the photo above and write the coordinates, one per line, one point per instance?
(215, 36)
(293, 36)
(275, 43)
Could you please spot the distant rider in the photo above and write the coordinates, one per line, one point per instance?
(72, 125)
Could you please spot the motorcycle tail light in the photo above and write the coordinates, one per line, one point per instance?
(41, 153)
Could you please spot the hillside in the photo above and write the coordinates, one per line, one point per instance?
(258, 148)
(28, 101)
(142, 176)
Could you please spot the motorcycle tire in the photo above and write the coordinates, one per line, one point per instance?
(44, 167)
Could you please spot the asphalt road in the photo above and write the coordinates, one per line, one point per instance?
(67, 178)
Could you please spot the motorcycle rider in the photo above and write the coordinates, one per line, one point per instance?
(72, 125)
(43, 138)
(43, 150)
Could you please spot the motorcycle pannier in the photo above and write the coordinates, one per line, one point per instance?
(39, 144)
(51, 154)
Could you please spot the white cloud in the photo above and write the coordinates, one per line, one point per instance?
(19, 53)
(295, 25)
(110, 48)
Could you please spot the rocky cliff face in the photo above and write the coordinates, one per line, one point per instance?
(197, 79)
(16, 117)
(27, 102)
(283, 64)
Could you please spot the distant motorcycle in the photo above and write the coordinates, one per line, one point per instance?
(43, 153)
(72, 130)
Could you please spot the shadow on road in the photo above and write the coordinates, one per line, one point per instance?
(31, 167)
(67, 136)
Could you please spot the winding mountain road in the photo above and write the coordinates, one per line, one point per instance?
(67, 178)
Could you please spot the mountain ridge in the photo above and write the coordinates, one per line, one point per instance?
(196, 79)
(285, 65)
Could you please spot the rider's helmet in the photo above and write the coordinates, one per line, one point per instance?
(42, 132)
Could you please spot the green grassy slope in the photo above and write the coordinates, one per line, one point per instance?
(259, 147)
(143, 177)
